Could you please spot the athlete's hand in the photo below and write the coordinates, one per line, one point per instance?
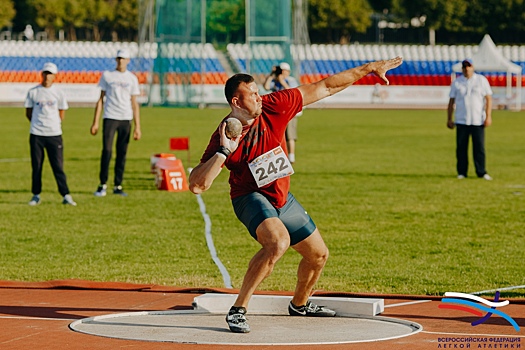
(230, 144)
(381, 67)
(137, 134)
(94, 129)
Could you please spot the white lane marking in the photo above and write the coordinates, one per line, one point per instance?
(408, 303)
(209, 241)
(499, 289)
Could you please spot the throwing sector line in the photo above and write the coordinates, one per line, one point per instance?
(209, 241)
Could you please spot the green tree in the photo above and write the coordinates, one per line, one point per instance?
(76, 16)
(226, 20)
(438, 14)
(494, 15)
(336, 20)
(50, 15)
(7, 13)
(97, 12)
(123, 19)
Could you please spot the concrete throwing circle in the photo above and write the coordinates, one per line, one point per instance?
(207, 328)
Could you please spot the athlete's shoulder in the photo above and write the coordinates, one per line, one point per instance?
(35, 88)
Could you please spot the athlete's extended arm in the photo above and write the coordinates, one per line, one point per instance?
(333, 84)
(203, 175)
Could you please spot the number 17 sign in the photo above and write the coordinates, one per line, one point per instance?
(270, 166)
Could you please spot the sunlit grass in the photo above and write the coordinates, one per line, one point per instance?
(380, 185)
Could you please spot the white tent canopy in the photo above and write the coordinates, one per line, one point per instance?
(489, 59)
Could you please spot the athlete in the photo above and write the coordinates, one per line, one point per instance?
(46, 107)
(118, 98)
(260, 180)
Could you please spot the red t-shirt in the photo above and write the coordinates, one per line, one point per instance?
(266, 133)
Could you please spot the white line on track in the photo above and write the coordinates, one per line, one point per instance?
(209, 241)
(408, 303)
(498, 289)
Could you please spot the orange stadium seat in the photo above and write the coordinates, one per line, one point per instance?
(195, 78)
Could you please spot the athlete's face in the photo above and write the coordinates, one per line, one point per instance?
(48, 78)
(122, 63)
(468, 70)
(248, 100)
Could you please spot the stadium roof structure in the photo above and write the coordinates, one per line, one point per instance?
(489, 59)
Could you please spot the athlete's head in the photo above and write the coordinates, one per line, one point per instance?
(242, 93)
(232, 84)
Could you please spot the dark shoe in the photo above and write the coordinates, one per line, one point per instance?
(35, 200)
(310, 309)
(236, 320)
(118, 190)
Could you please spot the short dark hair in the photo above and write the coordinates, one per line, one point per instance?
(232, 84)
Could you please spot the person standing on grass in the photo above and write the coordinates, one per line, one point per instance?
(280, 79)
(472, 96)
(260, 182)
(45, 108)
(119, 91)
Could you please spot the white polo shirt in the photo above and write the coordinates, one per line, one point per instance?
(119, 87)
(469, 95)
(46, 102)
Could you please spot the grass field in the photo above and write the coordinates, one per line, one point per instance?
(380, 185)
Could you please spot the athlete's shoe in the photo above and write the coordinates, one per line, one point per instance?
(69, 200)
(101, 190)
(35, 200)
(310, 309)
(236, 320)
(118, 190)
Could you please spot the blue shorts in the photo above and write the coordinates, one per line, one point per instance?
(252, 209)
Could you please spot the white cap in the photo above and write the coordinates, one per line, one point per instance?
(285, 66)
(50, 67)
(123, 53)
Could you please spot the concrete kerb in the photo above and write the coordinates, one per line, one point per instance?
(205, 324)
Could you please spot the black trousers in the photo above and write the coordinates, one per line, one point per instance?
(123, 130)
(55, 152)
(463, 134)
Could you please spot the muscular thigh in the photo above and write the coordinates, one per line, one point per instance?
(254, 209)
(313, 246)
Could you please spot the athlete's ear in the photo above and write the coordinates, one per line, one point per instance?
(235, 102)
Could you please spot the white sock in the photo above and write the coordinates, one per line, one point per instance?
(291, 157)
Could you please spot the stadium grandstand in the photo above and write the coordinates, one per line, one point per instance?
(84, 62)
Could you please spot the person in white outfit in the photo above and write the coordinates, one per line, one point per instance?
(280, 79)
(119, 91)
(45, 109)
(471, 96)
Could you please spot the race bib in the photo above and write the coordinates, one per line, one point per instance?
(270, 166)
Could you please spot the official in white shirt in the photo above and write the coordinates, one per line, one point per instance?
(119, 91)
(45, 109)
(472, 96)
